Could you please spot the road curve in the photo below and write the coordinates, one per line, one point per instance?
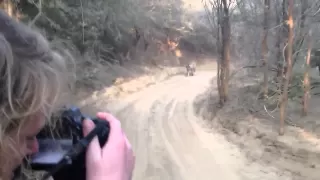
(168, 140)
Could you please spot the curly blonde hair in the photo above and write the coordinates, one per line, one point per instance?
(32, 75)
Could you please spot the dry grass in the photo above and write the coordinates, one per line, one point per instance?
(244, 121)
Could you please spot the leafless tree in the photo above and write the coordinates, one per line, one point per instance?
(265, 46)
(287, 77)
(306, 78)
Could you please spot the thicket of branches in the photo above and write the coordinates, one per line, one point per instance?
(280, 39)
(113, 31)
(246, 20)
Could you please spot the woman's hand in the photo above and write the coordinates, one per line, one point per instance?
(114, 161)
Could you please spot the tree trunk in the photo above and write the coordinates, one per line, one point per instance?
(278, 44)
(219, 74)
(265, 47)
(301, 36)
(284, 97)
(225, 49)
(284, 34)
(306, 79)
(302, 33)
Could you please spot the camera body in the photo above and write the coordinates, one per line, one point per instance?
(53, 149)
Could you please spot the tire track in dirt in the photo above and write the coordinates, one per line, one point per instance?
(144, 121)
(170, 143)
(180, 134)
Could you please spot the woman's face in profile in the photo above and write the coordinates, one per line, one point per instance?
(23, 141)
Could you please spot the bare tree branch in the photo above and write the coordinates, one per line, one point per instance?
(39, 6)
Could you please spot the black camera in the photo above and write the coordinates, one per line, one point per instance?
(62, 152)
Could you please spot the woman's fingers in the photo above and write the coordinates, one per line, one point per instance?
(94, 149)
(115, 134)
(116, 158)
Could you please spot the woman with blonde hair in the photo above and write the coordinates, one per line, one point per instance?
(31, 82)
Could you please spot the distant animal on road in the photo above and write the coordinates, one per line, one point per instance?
(191, 68)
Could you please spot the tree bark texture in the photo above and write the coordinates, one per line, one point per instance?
(265, 47)
(226, 32)
(306, 79)
(284, 97)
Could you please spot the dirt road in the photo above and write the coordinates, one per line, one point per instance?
(169, 141)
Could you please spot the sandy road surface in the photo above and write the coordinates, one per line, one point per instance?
(169, 141)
